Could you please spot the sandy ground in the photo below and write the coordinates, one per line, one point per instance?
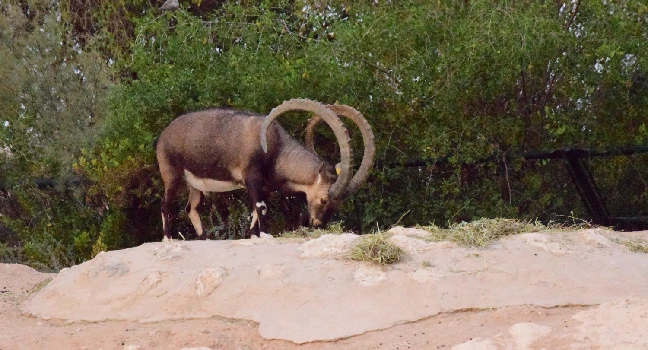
(565, 326)
(19, 331)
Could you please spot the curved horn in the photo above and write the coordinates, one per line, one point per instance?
(367, 137)
(310, 132)
(338, 188)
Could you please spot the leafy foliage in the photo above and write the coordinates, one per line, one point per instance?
(53, 101)
(456, 83)
(53, 97)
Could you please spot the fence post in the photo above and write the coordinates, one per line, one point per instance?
(586, 186)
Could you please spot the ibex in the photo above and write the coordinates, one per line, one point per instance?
(219, 150)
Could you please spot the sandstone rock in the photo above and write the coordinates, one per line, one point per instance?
(594, 236)
(544, 241)
(312, 291)
(209, 279)
(619, 324)
(328, 246)
(369, 275)
(623, 321)
(414, 245)
(411, 232)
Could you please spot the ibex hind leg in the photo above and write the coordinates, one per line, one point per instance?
(170, 192)
(195, 197)
(172, 179)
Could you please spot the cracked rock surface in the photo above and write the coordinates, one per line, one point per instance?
(305, 292)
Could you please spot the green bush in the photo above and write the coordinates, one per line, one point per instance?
(52, 102)
(469, 86)
(429, 78)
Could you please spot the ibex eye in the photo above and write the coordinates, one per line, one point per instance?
(323, 201)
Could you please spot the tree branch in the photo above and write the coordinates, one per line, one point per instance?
(573, 15)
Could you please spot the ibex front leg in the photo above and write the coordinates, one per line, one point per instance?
(254, 184)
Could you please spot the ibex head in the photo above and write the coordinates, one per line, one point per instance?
(321, 205)
(332, 184)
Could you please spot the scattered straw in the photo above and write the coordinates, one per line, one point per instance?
(377, 248)
(635, 246)
(334, 228)
(480, 232)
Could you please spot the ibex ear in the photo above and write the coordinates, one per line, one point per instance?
(325, 173)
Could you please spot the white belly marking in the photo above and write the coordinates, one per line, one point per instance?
(210, 185)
